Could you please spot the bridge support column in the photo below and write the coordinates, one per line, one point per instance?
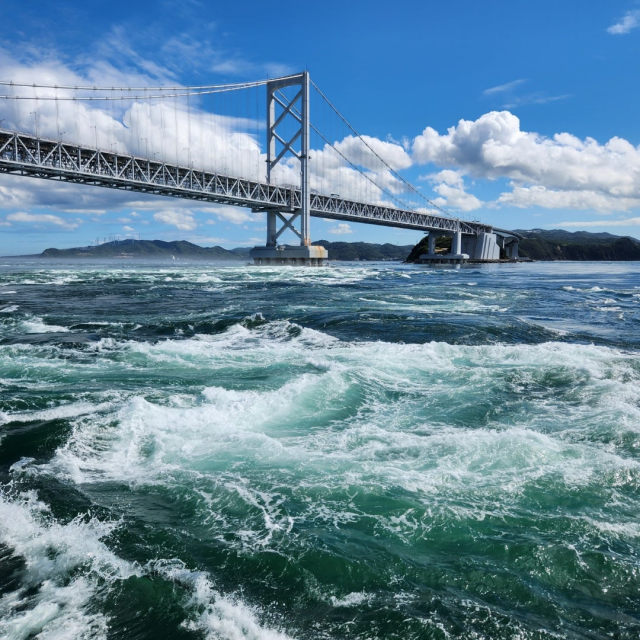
(456, 245)
(297, 219)
(511, 250)
(432, 243)
(272, 228)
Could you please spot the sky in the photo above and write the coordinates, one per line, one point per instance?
(518, 114)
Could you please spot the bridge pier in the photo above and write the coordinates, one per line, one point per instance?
(511, 250)
(293, 256)
(455, 256)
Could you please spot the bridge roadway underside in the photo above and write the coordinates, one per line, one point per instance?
(28, 155)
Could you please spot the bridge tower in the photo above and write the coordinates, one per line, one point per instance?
(287, 127)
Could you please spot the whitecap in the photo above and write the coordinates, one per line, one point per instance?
(37, 325)
(219, 616)
(65, 566)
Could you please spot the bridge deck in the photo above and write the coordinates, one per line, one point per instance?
(28, 155)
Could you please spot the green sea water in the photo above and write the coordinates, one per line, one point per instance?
(358, 451)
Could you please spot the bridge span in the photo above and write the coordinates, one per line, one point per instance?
(27, 155)
(287, 207)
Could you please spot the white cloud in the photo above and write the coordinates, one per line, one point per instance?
(235, 215)
(3, 223)
(504, 88)
(539, 196)
(452, 191)
(179, 219)
(124, 220)
(629, 21)
(128, 229)
(369, 156)
(43, 218)
(494, 146)
(629, 222)
(341, 229)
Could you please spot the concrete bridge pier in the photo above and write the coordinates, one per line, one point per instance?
(511, 249)
(455, 256)
(484, 246)
(280, 254)
(509, 243)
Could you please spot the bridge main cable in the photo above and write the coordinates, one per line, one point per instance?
(32, 85)
(376, 154)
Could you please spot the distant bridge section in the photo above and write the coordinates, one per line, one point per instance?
(29, 155)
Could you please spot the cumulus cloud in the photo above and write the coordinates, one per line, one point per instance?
(450, 186)
(539, 196)
(235, 215)
(39, 219)
(627, 23)
(606, 176)
(180, 219)
(341, 229)
(374, 154)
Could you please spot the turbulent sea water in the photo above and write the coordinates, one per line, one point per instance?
(357, 451)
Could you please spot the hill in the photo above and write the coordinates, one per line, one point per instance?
(144, 249)
(557, 244)
(364, 250)
(352, 250)
(152, 249)
(537, 244)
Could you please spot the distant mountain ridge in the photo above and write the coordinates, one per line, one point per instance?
(537, 244)
(143, 249)
(558, 244)
(159, 249)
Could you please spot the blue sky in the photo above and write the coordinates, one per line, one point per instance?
(520, 114)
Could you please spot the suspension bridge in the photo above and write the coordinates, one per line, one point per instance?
(302, 172)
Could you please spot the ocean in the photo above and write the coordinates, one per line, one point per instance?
(366, 450)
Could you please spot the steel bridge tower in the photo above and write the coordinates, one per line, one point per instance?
(282, 143)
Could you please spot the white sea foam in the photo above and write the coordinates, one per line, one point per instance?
(220, 617)
(65, 565)
(9, 309)
(420, 443)
(38, 325)
(61, 411)
(351, 599)
(69, 570)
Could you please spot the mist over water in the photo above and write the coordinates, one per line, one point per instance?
(369, 450)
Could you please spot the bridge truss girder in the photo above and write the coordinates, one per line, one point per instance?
(28, 155)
